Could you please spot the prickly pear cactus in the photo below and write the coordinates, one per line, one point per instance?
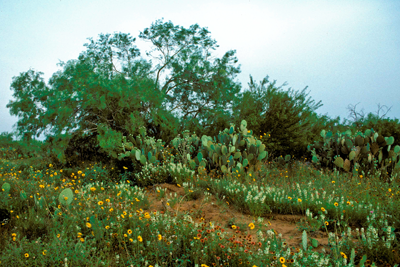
(66, 196)
(143, 149)
(229, 152)
(6, 187)
(284, 161)
(366, 152)
(185, 147)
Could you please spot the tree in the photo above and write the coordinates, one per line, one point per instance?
(30, 90)
(283, 119)
(358, 122)
(109, 92)
(197, 87)
(380, 124)
(93, 95)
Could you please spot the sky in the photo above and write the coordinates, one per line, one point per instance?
(346, 52)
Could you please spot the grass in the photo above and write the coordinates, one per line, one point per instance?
(271, 216)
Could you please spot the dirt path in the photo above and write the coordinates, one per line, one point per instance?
(222, 214)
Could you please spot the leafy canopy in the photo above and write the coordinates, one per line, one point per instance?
(109, 91)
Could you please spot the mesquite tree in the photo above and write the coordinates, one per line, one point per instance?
(110, 91)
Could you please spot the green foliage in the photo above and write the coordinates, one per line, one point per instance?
(109, 139)
(304, 240)
(23, 155)
(29, 88)
(186, 53)
(8, 150)
(179, 173)
(183, 147)
(4, 194)
(6, 139)
(66, 196)
(386, 127)
(378, 243)
(320, 123)
(352, 256)
(141, 151)
(41, 202)
(98, 98)
(363, 260)
(233, 153)
(46, 149)
(283, 117)
(168, 173)
(110, 92)
(314, 242)
(309, 224)
(216, 121)
(18, 149)
(151, 175)
(97, 228)
(227, 153)
(5, 187)
(362, 153)
(23, 195)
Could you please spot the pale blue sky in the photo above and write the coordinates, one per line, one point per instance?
(346, 52)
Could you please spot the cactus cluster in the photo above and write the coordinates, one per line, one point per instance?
(363, 152)
(233, 151)
(228, 152)
(144, 149)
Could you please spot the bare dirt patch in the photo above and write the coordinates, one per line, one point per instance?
(224, 215)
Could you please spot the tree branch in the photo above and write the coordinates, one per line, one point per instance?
(177, 107)
(112, 63)
(379, 108)
(167, 62)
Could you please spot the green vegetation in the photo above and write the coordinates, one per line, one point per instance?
(115, 184)
(57, 218)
